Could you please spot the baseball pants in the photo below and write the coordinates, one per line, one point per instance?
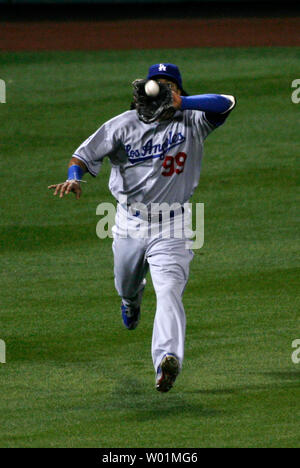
(168, 260)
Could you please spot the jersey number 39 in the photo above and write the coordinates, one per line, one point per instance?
(174, 164)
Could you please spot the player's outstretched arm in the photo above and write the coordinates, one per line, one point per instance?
(216, 107)
(76, 170)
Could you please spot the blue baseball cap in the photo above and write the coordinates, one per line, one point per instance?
(168, 70)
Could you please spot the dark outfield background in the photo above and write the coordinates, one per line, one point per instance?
(74, 376)
(131, 8)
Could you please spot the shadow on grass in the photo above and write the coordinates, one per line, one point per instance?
(28, 238)
(62, 349)
(284, 375)
(148, 403)
(281, 381)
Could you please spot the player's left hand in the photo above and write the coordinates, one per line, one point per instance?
(66, 187)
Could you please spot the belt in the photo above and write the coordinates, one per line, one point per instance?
(159, 216)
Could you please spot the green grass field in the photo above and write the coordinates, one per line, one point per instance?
(74, 376)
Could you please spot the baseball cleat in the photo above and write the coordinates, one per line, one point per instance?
(167, 372)
(130, 316)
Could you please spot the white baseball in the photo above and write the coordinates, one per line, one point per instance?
(152, 88)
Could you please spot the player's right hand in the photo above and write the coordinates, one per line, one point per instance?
(66, 187)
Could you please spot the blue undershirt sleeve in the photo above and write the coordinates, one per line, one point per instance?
(215, 106)
(206, 103)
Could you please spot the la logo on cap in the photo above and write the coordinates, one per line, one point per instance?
(162, 67)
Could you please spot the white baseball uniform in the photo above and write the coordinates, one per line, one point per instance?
(151, 163)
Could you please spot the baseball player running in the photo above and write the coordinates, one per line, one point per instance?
(155, 151)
